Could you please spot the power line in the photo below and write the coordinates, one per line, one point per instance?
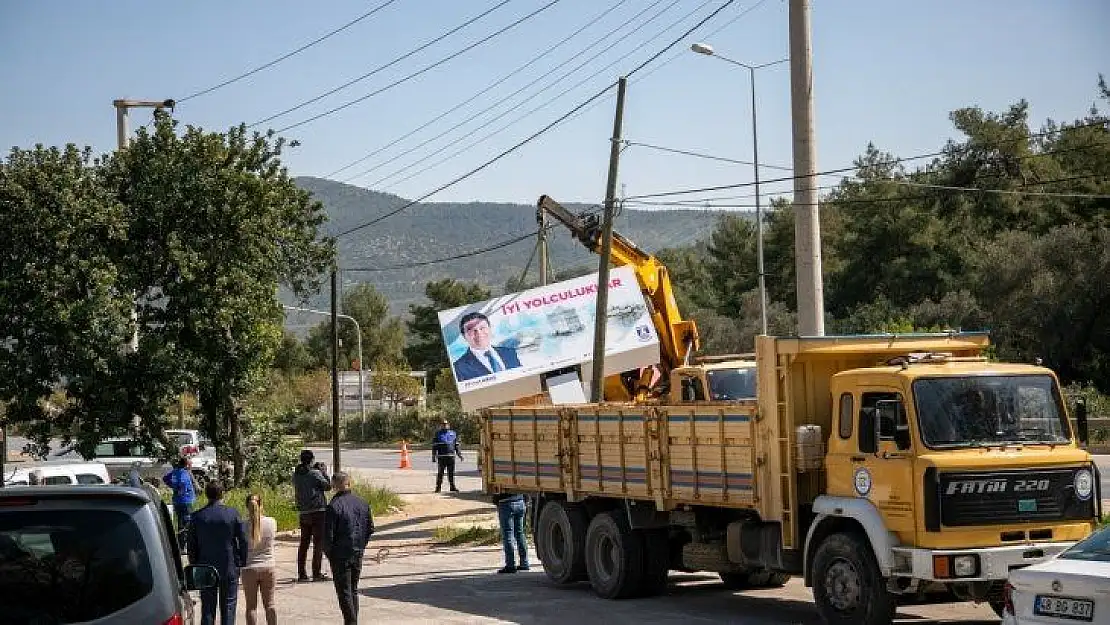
(476, 95)
(702, 155)
(423, 70)
(536, 109)
(528, 139)
(287, 55)
(358, 79)
(479, 168)
(549, 102)
(1090, 196)
(853, 167)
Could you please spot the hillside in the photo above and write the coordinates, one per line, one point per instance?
(435, 230)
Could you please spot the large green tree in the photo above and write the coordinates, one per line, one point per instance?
(383, 335)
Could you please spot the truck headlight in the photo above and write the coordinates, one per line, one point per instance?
(965, 566)
(1084, 484)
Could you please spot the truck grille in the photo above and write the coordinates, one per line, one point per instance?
(990, 498)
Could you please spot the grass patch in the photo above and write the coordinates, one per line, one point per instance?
(280, 503)
(470, 535)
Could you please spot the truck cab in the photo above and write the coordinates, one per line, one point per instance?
(715, 380)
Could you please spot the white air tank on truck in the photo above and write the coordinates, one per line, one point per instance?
(878, 468)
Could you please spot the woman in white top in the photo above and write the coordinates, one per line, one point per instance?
(258, 574)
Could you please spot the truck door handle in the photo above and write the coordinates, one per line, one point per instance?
(859, 458)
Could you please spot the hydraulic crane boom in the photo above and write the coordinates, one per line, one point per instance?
(678, 337)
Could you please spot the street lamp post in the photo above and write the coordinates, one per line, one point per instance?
(361, 365)
(706, 49)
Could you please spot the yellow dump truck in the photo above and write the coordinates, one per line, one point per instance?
(882, 469)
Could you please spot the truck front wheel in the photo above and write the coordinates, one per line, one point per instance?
(847, 584)
(614, 557)
(561, 541)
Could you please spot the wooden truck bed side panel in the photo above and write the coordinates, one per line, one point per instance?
(672, 455)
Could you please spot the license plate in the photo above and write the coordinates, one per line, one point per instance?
(1064, 607)
(1027, 505)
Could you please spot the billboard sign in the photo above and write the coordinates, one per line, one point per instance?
(499, 348)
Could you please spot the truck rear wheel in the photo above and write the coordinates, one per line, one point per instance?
(657, 562)
(614, 557)
(761, 578)
(847, 584)
(561, 541)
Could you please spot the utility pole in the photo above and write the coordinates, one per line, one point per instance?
(601, 318)
(541, 219)
(807, 225)
(334, 371)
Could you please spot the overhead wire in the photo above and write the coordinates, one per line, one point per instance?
(422, 70)
(528, 139)
(479, 93)
(384, 66)
(711, 157)
(549, 102)
(534, 110)
(287, 55)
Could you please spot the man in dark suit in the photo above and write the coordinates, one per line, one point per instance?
(348, 525)
(482, 358)
(217, 537)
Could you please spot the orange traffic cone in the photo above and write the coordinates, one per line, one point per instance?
(406, 460)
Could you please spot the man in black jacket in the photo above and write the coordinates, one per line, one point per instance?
(310, 481)
(347, 528)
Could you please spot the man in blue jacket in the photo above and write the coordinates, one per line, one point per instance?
(180, 481)
(445, 447)
(217, 537)
(347, 528)
(482, 358)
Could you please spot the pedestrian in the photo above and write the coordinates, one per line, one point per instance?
(180, 481)
(445, 447)
(510, 515)
(347, 529)
(259, 573)
(218, 538)
(310, 482)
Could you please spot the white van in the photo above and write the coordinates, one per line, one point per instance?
(59, 473)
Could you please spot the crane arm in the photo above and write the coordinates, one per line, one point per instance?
(678, 337)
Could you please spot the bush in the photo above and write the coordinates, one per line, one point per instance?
(413, 425)
(279, 502)
(270, 458)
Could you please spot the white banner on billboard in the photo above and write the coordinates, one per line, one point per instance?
(499, 348)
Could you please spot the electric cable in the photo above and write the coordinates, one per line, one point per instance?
(421, 71)
(287, 55)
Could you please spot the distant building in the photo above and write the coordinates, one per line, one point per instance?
(349, 391)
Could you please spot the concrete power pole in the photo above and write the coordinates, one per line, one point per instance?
(597, 380)
(807, 225)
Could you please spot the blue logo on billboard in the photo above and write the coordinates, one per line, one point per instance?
(643, 333)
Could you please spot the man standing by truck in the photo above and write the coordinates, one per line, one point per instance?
(445, 447)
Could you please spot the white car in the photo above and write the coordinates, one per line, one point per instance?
(60, 473)
(1073, 587)
(200, 450)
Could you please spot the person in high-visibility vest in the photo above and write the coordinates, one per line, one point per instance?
(445, 447)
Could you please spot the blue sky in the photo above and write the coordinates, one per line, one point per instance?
(885, 71)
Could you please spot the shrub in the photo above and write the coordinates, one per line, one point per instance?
(279, 502)
(270, 458)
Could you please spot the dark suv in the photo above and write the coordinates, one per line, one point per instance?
(70, 554)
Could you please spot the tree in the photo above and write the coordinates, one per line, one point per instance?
(426, 350)
(292, 356)
(63, 313)
(383, 336)
(396, 386)
(215, 226)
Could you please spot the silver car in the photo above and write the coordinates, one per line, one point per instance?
(72, 554)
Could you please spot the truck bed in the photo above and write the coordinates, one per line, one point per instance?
(697, 454)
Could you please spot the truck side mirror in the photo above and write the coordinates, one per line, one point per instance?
(1081, 420)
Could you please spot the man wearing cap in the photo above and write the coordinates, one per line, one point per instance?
(310, 482)
(482, 358)
(445, 447)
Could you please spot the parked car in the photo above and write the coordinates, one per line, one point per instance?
(1072, 587)
(121, 454)
(57, 473)
(200, 451)
(72, 554)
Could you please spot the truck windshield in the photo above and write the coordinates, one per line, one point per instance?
(731, 384)
(989, 410)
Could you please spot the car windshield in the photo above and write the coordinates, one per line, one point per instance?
(1094, 547)
(731, 384)
(989, 410)
(70, 567)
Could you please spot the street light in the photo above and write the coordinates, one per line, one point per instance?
(706, 49)
(361, 365)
